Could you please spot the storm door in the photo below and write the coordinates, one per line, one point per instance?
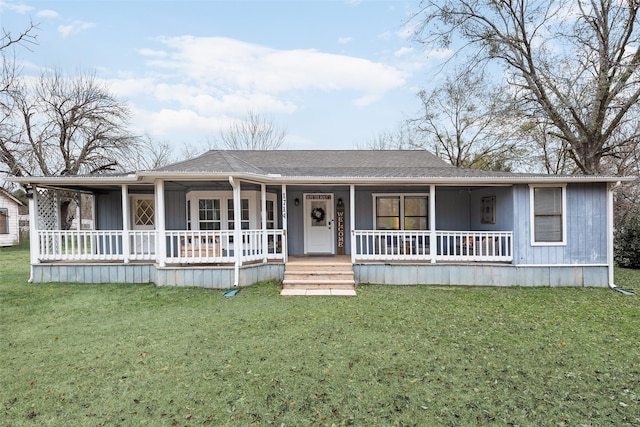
(318, 224)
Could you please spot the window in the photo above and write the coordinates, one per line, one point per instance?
(387, 213)
(406, 212)
(271, 217)
(213, 210)
(548, 215)
(4, 221)
(143, 212)
(244, 214)
(209, 214)
(415, 213)
(188, 214)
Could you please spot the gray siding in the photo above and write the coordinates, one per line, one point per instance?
(109, 211)
(503, 212)
(207, 277)
(480, 275)
(586, 212)
(400, 274)
(94, 273)
(452, 209)
(176, 209)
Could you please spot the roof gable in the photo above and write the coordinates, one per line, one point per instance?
(7, 195)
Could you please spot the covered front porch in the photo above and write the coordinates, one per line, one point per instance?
(193, 223)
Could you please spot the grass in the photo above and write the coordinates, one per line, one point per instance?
(109, 355)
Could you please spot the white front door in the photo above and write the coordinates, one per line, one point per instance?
(318, 223)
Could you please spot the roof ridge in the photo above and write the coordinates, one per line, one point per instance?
(226, 153)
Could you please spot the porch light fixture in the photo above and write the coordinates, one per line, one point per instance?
(296, 202)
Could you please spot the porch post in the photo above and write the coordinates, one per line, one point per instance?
(263, 219)
(610, 226)
(285, 246)
(161, 240)
(34, 239)
(237, 235)
(433, 245)
(126, 250)
(352, 221)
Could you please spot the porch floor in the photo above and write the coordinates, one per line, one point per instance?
(318, 276)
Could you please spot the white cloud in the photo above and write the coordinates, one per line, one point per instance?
(152, 52)
(129, 87)
(441, 53)
(403, 51)
(188, 123)
(15, 7)
(231, 67)
(76, 27)
(47, 13)
(344, 40)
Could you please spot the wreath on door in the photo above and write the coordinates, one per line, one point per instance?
(317, 214)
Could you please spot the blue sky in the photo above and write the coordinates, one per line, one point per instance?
(331, 73)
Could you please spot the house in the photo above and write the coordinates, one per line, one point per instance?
(9, 213)
(233, 218)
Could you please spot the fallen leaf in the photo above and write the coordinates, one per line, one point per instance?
(186, 417)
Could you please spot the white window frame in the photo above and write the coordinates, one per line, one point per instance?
(401, 196)
(254, 197)
(532, 214)
(212, 221)
(133, 203)
(6, 220)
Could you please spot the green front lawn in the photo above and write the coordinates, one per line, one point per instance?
(107, 355)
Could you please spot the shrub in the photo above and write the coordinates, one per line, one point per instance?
(627, 244)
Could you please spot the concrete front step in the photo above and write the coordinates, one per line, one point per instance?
(318, 278)
(319, 267)
(319, 292)
(318, 286)
(306, 276)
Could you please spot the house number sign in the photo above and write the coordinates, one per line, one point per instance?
(340, 226)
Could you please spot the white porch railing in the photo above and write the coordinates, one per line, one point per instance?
(448, 246)
(392, 245)
(474, 245)
(187, 247)
(79, 245)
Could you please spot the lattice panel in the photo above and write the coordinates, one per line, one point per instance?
(144, 212)
(47, 217)
(47, 209)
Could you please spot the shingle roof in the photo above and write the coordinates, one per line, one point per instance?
(321, 166)
(316, 163)
(335, 164)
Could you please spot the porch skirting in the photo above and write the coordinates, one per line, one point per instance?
(218, 277)
(481, 275)
(221, 277)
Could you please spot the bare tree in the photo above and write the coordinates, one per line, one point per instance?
(63, 126)
(572, 62)
(254, 132)
(404, 137)
(147, 154)
(465, 122)
(24, 37)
